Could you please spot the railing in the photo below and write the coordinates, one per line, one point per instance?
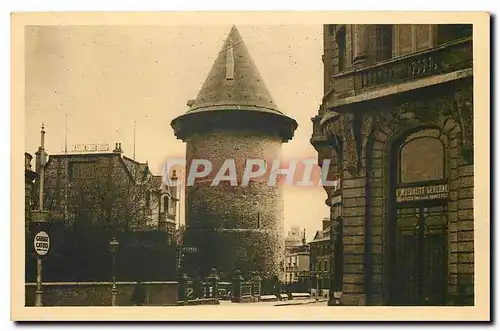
(448, 57)
(210, 290)
(199, 291)
(246, 290)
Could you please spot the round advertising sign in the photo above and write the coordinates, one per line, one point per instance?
(41, 243)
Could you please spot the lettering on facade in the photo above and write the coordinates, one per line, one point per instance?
(186, 249)
(420, 193)
(422, 66)
(389, 73)
(90, 148)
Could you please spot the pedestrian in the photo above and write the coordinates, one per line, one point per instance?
(139, 294)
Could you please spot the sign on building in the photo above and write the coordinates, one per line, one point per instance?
(90, 148)
(419, 193)
(187, 249)
(41, 243)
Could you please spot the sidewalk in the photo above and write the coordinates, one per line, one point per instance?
(321, 301)
(302, 302)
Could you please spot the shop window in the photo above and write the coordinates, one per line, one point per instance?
(411, 38)
(421, 159)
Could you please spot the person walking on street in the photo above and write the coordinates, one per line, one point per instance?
(139, 294)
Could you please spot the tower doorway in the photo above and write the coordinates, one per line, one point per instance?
(418, 222)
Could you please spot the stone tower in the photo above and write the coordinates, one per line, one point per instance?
(234, 117)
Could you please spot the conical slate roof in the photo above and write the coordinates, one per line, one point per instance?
(234, 81)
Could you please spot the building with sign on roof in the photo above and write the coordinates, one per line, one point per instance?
(397, 122)
(118, 191)
(93, 196)
(234, 117)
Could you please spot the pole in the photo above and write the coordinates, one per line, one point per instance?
(179, 193)
(66, 162)
(113, 289)
(317, 286)
(39, 290)
(134, 140)
(42, 167)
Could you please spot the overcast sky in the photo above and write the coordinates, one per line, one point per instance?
(107, 77)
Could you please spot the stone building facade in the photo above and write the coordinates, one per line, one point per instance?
(93, 197)
(109, 188)
(234, 118)
(29, 178)
(296, 260)
(397, 121)
(320, 250)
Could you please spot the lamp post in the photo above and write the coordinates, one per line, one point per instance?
(336, 254)
(39, 219)
(317, 285)
(113, 247)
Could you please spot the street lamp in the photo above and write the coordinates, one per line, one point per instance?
(113, 247)
(336, 254)
(318, 277)
(39, 219)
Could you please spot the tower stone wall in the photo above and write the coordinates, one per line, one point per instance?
(247, 221)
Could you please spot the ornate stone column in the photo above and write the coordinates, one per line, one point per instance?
(360, 43)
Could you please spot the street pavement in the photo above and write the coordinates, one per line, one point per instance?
(308, 302)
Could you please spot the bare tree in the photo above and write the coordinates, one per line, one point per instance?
(122, 198)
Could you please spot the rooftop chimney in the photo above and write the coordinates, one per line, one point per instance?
(118, 148)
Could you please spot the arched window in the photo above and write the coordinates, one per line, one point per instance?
(421, 159)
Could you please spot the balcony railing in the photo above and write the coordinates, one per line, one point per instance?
(445, 58)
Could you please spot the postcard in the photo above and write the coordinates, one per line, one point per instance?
(314, 166)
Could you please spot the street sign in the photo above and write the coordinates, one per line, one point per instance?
(186, 249)
(41, 243)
